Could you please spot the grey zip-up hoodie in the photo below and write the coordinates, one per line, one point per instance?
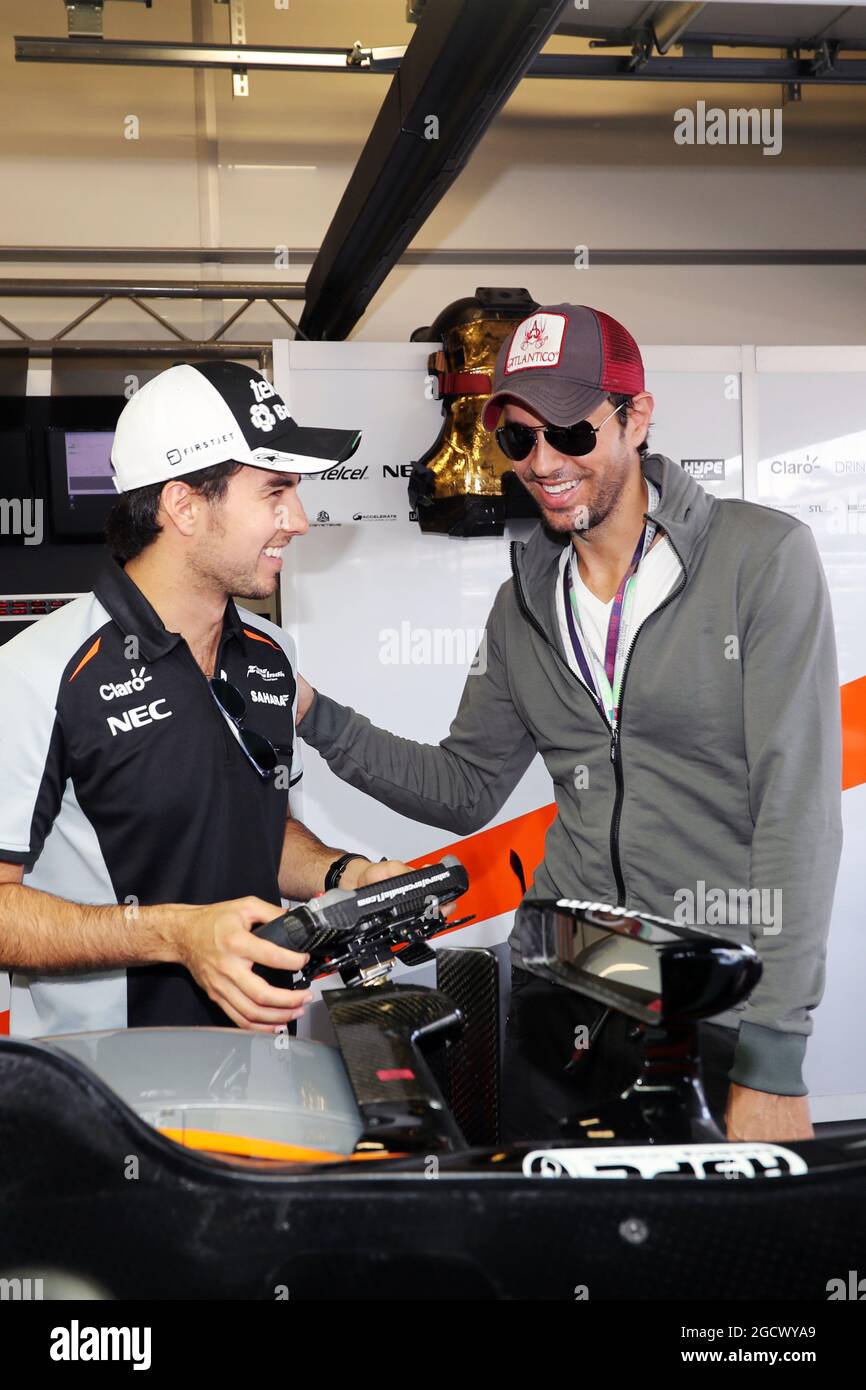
(725, 772)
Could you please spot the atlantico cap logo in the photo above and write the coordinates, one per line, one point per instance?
(537, 342)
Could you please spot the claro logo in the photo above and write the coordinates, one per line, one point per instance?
(137, 718)
(112, 690)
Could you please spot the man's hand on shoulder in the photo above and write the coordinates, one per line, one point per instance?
(759, 1115)
(306, 696)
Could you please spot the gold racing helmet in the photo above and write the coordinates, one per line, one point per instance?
(464, 484)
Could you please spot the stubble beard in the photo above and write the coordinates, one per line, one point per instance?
(605, 500)
(212, 569)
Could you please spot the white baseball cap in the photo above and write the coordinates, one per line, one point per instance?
(194, 416)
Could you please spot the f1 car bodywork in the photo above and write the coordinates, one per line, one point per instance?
(202, 1163)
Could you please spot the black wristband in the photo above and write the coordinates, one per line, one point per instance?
(335, 872)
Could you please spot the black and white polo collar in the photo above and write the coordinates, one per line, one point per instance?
(121, 597)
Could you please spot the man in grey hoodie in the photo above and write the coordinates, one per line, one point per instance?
(671, 657)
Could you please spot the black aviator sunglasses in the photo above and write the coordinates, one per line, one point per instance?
(517, 441)
(261, 752)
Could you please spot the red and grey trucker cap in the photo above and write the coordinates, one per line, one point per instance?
(194, 416)
(563, 361)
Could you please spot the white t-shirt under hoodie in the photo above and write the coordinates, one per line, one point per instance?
(658, 573)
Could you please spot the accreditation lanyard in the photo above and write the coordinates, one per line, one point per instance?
(606, 684)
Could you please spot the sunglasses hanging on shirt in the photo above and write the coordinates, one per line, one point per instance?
(263, 755)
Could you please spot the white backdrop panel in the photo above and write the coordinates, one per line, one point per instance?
(812, 464)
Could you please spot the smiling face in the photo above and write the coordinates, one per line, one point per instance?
(575, 494)
(239, 545)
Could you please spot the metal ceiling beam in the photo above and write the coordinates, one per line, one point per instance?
(848, 72)
(39, 288)
(109, 347)
(162, 255)
(626, 38)
(465, 59)
(143, 53)
(671, 21)
(176, 342)
(605, 35)
(458, 255)
(386, 62)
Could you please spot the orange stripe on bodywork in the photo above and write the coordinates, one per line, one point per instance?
(854, 733)
(87, 657)
(257, 637)
(242, 1146)
(493, 885)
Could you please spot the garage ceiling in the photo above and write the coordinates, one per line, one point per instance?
(293, 121)
(788, 26)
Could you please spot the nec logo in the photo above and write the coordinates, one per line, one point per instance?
(137, 718)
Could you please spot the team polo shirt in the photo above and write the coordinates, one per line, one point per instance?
(123, 782)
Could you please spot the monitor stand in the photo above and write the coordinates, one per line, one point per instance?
(664, 1105)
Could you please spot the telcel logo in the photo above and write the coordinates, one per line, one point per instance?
(137, 718)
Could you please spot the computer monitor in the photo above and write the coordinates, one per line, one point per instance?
(82, 491)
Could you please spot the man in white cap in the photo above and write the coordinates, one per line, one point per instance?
(146, 733)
